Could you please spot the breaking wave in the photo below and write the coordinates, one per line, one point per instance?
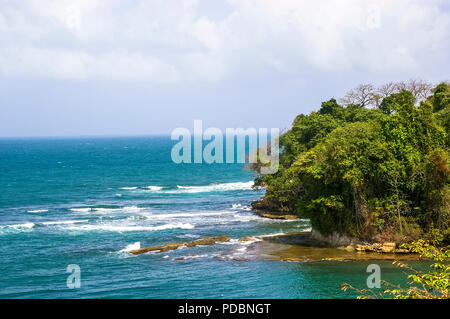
(134, 246)
(129, 228)
(37, 211)
(216, 187)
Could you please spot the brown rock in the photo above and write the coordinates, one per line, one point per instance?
(173, 246)
(208, 241)
(349, 248)
(402, 251)
(388, 247)
(334, 259)
(246, 238)
(158, 249)
(272, 216)
(292, 259)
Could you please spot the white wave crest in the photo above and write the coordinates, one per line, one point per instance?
(19, 226)
(189, 236)
(81, 210)
(134, 246)
(217, 187)
(65, 222)
(153, 188)
(122, 228)
(178, 215)
(37, 211)
(106, 209)
(190, 257)
(128, 188)
(132, 208)
(241, 207)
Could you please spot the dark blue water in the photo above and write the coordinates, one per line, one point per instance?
(87, 201)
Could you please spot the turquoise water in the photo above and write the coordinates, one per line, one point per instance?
(87, 201)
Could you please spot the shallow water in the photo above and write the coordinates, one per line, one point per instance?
(87, 201)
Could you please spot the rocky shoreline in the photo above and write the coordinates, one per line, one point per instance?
(304, 246)
(299, 246)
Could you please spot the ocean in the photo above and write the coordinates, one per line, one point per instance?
(88, 201)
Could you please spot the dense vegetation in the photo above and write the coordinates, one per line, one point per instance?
(375, 166)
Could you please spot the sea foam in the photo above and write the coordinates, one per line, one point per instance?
(37, 211)
(217, 187)
(153, 188)
(65, 222)
(126, 228)
(183, 215)
(134, 246)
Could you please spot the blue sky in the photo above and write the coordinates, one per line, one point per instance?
(100, 67)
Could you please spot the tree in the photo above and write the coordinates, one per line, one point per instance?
(363, 95)
(441, 97)
(373, 173)
(368, 95)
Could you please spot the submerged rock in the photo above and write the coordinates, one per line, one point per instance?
(172, 246)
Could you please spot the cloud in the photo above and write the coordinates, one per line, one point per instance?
(82, 65)
(175, 42)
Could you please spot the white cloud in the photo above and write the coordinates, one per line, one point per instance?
(206, 32)
(80, 65)
(169, 41)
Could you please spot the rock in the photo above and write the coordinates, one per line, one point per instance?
(335, 259)
(388, 247)
(173, 246)
(293, 259)
(158, 249)
(239, 259)
(208, 241)
(402, 251)
(246, 238)
(334, 240)
(275, 215)
(377, 247)
(285, 217)
(349, 248)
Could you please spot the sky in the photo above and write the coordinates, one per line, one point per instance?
(120, 67)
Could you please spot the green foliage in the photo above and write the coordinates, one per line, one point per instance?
(369, 173)
(397, 101)
(441, 97)
(434, 284)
